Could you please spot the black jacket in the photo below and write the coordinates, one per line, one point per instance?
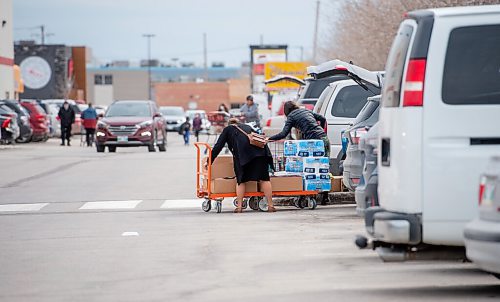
(304, 120)
(239, 146)
(67, 116)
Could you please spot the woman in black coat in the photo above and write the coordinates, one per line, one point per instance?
(251, 163)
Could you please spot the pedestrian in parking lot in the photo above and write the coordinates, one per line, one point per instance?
(197, 122)
(251, 163)
(250, 111)
(67, 117)
(223, 108)
(89, 118)
(306, 122)
(185, 130)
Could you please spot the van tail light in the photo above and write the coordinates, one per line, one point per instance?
(413, 94)
(482, 184)
(6, 123)
(268, 123)
(58, 118)
(356, 135)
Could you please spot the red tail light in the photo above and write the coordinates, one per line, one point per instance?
(413, 94)
(6, 123)
(357, 134)
(40, 118)
(58, 118)
(482, 184)
(268, 123)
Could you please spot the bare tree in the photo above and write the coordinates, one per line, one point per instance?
(362, 30)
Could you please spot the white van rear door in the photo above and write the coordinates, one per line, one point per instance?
(461, 120)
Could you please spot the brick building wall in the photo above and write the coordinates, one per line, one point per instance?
(208, 95)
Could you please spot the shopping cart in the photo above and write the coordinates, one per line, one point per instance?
(255, 200)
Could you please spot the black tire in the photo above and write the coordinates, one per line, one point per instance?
(302, 202)
(112, 149)
(206, 206)
(311, 203)
(99, 148)
(253, 203)
(163, 146)
(263, 204)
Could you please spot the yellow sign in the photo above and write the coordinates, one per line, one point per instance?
(296, 69)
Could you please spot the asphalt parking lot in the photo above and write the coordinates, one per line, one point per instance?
(81, 226)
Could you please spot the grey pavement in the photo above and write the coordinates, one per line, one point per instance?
(161, 247)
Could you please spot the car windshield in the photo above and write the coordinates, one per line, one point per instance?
(367, 111)
(349, 101)
(172, 111)
(128, 109)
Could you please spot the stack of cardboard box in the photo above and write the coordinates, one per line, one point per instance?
(223, 179)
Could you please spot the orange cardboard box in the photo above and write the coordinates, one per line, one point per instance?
(286, 183)
(222, 167)
(337, 185)
(228, 185)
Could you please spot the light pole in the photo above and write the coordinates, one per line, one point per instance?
(149, 36)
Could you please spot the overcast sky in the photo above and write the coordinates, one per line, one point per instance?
(114, 28)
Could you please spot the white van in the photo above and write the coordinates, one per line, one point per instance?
(439, 125)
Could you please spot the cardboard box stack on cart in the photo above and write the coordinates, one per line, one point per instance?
(223, 179)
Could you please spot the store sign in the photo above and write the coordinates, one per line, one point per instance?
(35, 72)
(296, 69)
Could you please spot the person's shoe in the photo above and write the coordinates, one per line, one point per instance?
(271, 209)
(62, 144)
(69, 144)
(238, 210)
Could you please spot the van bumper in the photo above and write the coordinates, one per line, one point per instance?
(392, 227)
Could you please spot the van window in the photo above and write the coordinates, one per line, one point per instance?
(367, 111)
(314, 88)
(472, 66)
(395, 66)
(349, 101)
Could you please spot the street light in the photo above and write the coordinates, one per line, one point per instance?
(149, 36)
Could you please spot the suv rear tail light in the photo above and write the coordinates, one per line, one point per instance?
(482, 184)
(268, 123)
(357, 134)
(6, 123)
(413, 94)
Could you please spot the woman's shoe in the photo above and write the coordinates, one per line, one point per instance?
(271, 209)
(238, 210)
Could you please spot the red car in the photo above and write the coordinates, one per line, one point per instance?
(131, 124)
(38, 120)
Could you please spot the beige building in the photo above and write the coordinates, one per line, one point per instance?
(107, 85)
(6, 51)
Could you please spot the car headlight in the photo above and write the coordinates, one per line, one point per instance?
(180, 121)
(102, 125)
(144, 124)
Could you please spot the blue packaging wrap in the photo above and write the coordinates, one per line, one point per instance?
(315, 165)
(304, 148)
(294, 164)
(317, 182)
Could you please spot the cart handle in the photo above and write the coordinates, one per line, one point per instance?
(198, 146)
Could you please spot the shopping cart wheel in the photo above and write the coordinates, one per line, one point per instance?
(253, 203)
(206, 205)
(218, 206)
(311, 203)
(244, 206)
(302, 202)
(296, 202)
(263, 204)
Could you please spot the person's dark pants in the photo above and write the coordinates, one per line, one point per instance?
(197, 135)
(186, 137)
(89, 136)
(65, 133)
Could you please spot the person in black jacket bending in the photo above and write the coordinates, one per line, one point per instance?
(307, 122)
(251, 163)
(67, 117)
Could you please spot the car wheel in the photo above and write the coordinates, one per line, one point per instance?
(163, 146)
(112, 149)
(99, 148)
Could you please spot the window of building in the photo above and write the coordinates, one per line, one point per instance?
(98, 80)
(108, 79)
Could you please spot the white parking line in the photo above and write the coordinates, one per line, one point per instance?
(110, 205)
(182, 204)
(26, 207)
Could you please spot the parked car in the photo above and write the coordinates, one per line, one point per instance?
(353, 163)
(205, 124)
(482, 235)
(131, 123)
(38, 120)
(52, 111)
(366, 193)
(23, 120)
(341, 102)
(77, 125)
(438, 127)
(174, 117)
(8, 124)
